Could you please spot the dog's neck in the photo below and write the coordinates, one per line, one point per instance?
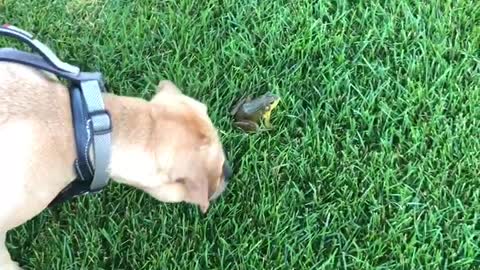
(132, 126)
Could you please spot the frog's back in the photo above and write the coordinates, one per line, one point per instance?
(250, 109)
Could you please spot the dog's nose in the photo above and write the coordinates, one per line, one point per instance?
(227, 171)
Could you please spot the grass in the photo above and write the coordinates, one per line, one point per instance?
(373, 163)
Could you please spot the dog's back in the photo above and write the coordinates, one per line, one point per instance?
(34, 123)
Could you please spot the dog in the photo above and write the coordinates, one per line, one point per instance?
(166, 146)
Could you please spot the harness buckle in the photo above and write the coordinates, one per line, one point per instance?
(101, 122)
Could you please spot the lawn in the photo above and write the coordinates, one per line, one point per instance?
(373, 162)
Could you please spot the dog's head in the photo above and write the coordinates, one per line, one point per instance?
(190, 162)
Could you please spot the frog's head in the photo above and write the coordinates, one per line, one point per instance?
(269, 102)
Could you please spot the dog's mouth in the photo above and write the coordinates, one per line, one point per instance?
(227, 174)
(219, 191)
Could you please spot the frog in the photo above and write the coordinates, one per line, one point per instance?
(248, 112)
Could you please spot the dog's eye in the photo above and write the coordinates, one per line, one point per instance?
(180, 180)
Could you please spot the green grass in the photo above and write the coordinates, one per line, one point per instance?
(373, 163)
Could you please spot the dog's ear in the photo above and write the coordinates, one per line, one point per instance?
(165, 87)
(200, 129)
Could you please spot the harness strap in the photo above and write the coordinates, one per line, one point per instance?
(83, 135)
(101, 128)
(90, 179)
(36, 61)
(82, 165)
(34, 44)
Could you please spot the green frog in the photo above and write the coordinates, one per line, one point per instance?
(248, 113)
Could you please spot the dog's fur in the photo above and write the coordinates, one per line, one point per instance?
(167, 147)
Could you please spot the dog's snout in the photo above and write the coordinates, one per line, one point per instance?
(227, 171)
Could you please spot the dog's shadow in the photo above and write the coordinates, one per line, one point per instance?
(91, 230)
(58, 230)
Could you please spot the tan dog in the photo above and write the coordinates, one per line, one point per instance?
(167, 147)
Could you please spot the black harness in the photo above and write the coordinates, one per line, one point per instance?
(91, 122)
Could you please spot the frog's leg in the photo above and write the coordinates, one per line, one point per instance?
(247, 126)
